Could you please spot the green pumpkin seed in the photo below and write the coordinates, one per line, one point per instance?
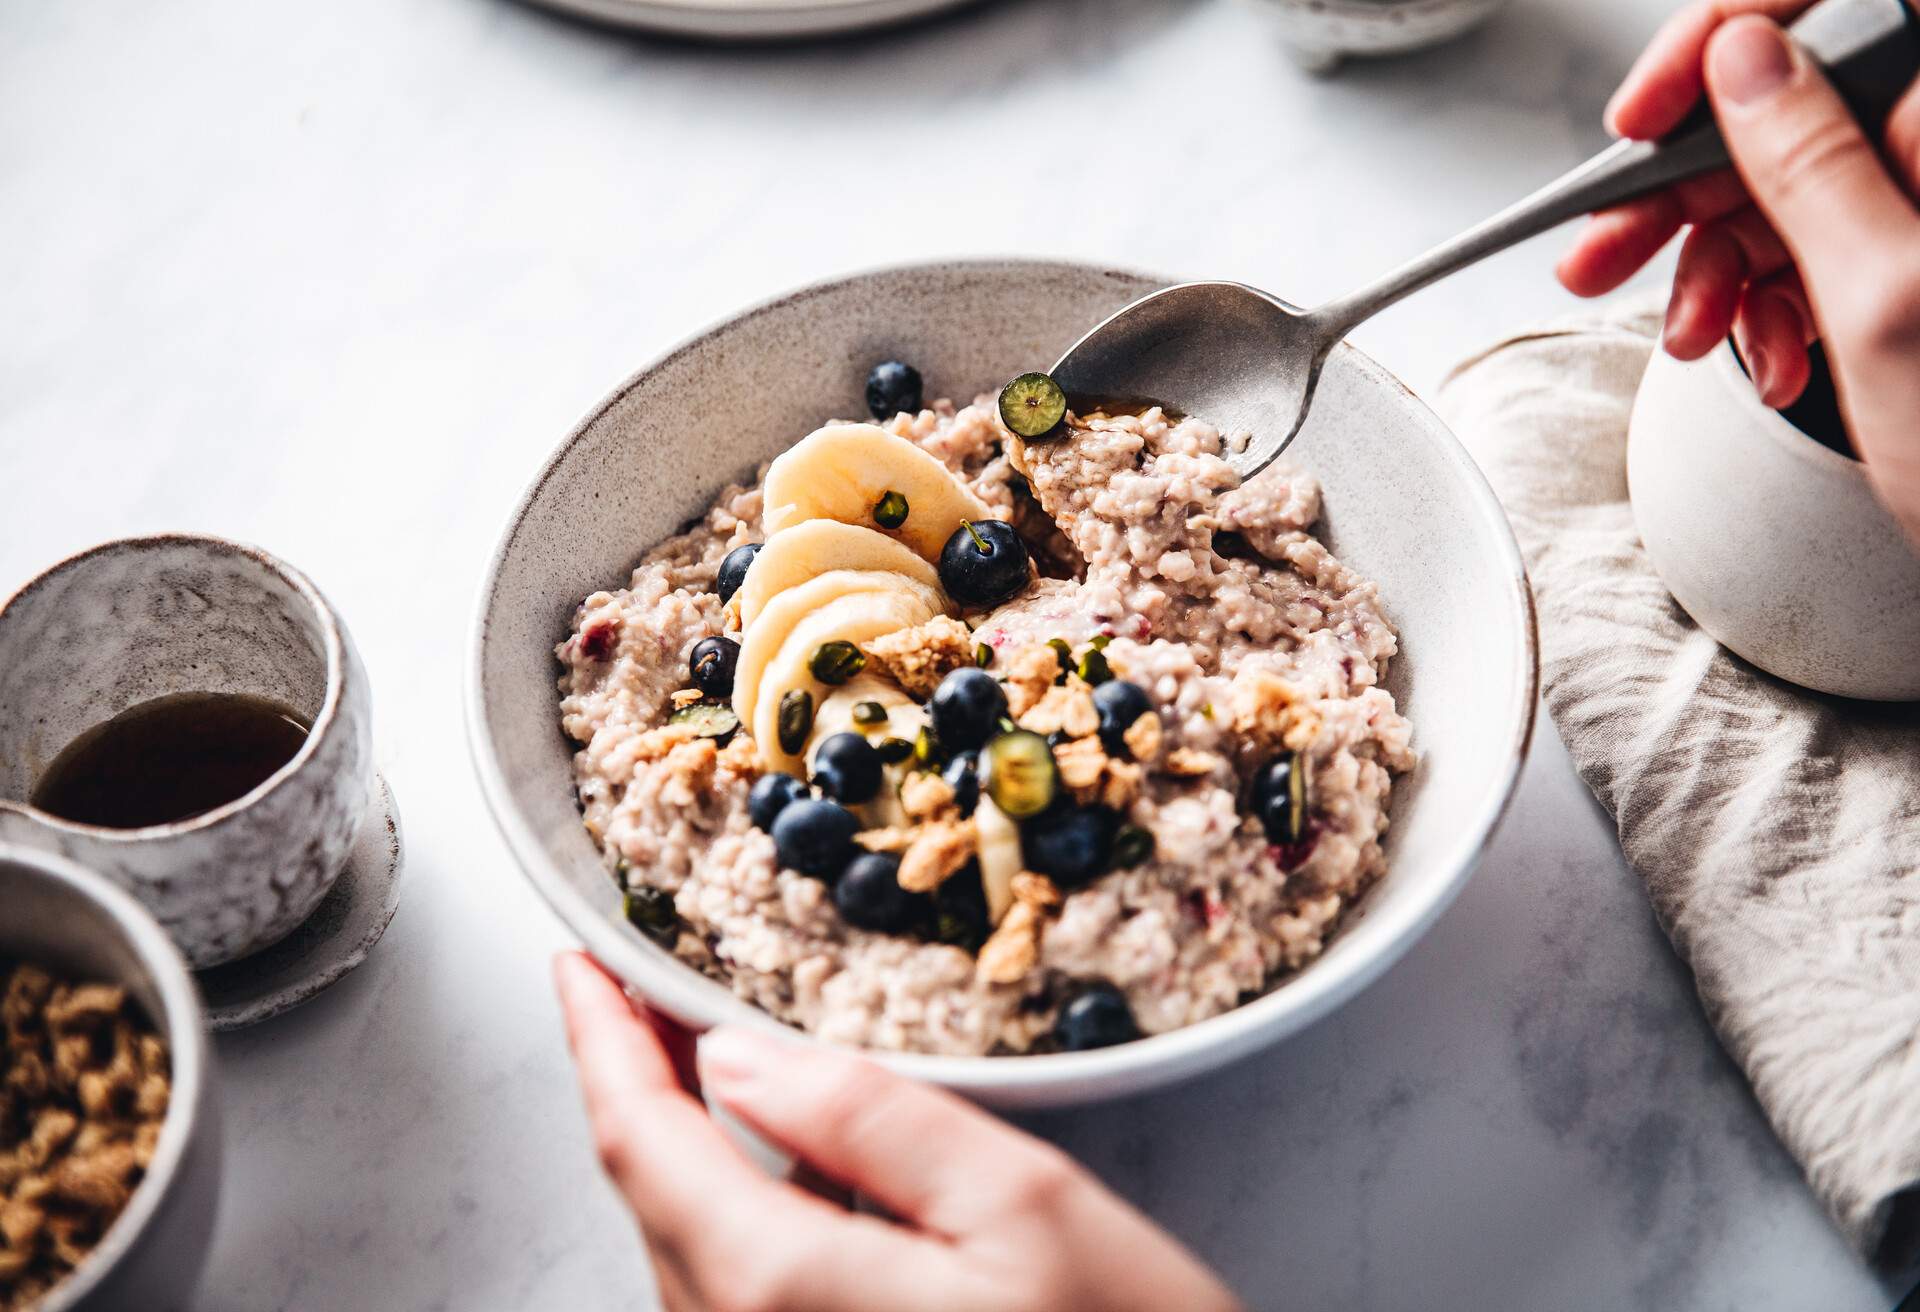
(1018, 773)
(926, 750)
(869, 713)
(982, 655)
(837, 661)
(651, 911)
(893, 750)
(709, 719)
(1093, 667)
(796, 720)
(890, 511)
(1131, 846)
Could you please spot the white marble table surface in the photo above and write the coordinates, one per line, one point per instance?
(334, 276)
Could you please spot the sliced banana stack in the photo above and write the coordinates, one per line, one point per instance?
(842, 472)
(816, 546)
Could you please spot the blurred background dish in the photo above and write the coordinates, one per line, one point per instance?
(76, 924)
(1320, 33)
(752, 20)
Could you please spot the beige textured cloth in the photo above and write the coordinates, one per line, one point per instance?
(1777, 831)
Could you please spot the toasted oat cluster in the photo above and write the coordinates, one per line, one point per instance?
(84, 1085)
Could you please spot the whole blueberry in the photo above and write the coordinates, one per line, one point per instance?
(984, 563)
(869, 896)
(711, 663)
(960, 915)
(1071, 845)
(733, 570)
(966, 709)
(847, 768)
(770, 795)
(1279, 797)
(1098, 1017)
(891, 388)
(963, 776)
(815, 837)
(1119, 703)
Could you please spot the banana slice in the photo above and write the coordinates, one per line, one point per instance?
(841, 471)
(904, 719)
(761, 642)
(812, 548)
(1000, 858)
(853, 617)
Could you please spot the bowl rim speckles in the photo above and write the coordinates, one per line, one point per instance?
(942, 301)
(336, 663)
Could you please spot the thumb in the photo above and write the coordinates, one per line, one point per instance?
(1803, 158)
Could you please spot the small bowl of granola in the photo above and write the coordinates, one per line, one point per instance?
(908, 702)
(109, 1144)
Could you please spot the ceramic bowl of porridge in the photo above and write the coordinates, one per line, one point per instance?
(839, 673)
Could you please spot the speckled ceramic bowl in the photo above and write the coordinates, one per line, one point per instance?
(1404, 505)
(142, 618)
(73, 921)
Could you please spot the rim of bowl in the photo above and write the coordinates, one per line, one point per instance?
(188, 1048)
(1799, 444)
(1156, 1060)
(333, 642)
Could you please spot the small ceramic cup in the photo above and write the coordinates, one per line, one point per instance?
(1771, 541)
(149, 617)
(1319, 34)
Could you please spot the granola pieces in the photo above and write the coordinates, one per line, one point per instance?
(84, 1087)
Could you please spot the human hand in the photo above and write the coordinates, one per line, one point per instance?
(1813, 235)
(988, 1217)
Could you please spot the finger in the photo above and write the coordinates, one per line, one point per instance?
(921, 1153)
(1665, 81)
(1903, 140)
(1772, 334)
(670, 1161)
(1619, 240)
(677, 1041)
(1810, 169)
(1716, 262)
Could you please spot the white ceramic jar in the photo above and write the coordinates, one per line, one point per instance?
(1772, 542)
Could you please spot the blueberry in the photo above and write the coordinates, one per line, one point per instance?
(770, 795)
(847, 768)
(733, 570)
(960, 909)
(1071, 845)
(963, 776)
(966, 708)
(869, 896)
(815, 837)
(1279, 797)
(1119, 703)
(1098, 1018)
(891, 388)
(711, 663)
(983, 564)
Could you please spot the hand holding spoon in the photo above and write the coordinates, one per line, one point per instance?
(1249, 361)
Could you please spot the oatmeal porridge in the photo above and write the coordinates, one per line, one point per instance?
(991, 729)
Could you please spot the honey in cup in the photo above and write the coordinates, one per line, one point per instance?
(170, 759)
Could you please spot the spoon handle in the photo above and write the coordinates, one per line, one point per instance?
(1869, 48)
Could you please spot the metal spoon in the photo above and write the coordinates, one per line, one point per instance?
(1248, 361)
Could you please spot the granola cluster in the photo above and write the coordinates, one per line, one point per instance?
(84, 1085)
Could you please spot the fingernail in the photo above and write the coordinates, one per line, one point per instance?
(1761, 371)
(733, 1054)
(1750, 61)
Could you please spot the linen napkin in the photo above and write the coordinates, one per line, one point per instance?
(1777, 830)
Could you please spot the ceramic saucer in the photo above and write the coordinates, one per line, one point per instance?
(332, 941)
